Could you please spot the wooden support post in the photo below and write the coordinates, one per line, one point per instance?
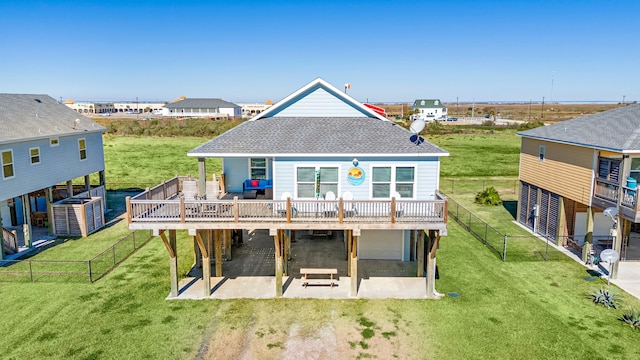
(279, 262)
(49, 199)
(588, 238)
(1, 237)
(288, 210)
(432, 246)
(412, 245)
(69, 188)
(197, 255)
(226, 237)
(206, 262)
(218, 245)
(202, 178)
(171, 246)
(420, 254)
(354, 266)
(348, 234)
(26, 216)
(87, 183)
(102, 178)
(393, 210)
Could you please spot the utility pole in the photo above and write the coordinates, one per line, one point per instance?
(542, 111)
(473, 109)
(137, 108)
(623, 96)
(457, 107)
(530, 104)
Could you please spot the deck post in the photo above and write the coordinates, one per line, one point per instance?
(348, 234)
(420, 253)
(26, 215)
(202, 178)
(218, 244)
(353, 259)
(206, 261)
(87, 183)
(226, 237)
(2, 239)
(588, 238)
(173, 260)
(412, 245)
(432, 246)
(69, 188)
(278, 260)
(393, 210)
(49, 199)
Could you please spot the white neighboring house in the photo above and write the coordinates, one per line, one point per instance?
(429, 110)
(202, 108)
(43, 144)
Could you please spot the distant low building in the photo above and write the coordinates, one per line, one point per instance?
(202, 108)
(429, 110)
(88, 108)
(251, 110)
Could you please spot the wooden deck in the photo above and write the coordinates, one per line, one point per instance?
(149, 210)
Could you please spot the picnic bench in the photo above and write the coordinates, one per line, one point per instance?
(318, 272)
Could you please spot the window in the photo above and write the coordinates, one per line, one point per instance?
(82, 147)
(258, 168)
(7, 164)
(34, 154)
(54, 141)
(609, 169)
(542, 152)
(386, 179)
(315, 181)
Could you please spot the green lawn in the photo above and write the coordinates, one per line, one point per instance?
(520, 309)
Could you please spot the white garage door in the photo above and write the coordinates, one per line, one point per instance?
(380, 245)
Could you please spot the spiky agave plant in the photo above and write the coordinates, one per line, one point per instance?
(605, 297)
(631, 317)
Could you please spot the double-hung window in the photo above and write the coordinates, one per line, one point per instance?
(315, 181)
(634, 172)
(7, 164)
(34, 154)
(82, 148)
(258, 168)
(387, 179)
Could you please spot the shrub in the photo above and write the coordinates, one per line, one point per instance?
(605, 297)
(489, 196)
(631, 317)
(530, 125)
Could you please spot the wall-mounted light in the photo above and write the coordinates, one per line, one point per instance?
(355, 162)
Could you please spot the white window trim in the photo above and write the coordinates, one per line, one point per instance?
(86, 155)
(13, 164)
(56, 139)
(266, 166)
(317, 167)
(393, 179)
(31, 156)
(542, 153)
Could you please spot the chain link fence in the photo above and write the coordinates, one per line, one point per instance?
(74, 270)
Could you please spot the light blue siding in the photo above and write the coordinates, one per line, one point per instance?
(425, 184)
(236, 171)
(319, 102)
(57, 163)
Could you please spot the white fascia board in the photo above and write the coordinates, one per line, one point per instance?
(313, 83)
(243, 155)
(42, 137)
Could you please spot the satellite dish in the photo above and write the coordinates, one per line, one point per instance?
(417, 126)
(609, 255)
(610, 212)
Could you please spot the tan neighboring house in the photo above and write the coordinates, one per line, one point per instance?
(572, 171)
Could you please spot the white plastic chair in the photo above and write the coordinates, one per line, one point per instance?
(330, 209)
(281, 208)
(399, 206)
(350, 208)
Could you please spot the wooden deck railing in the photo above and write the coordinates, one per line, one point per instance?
(608, 190)
(292, 211)
(10, 239)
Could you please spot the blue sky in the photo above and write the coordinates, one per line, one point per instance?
(252, 51)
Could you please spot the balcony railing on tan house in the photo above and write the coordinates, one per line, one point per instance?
(606, 194)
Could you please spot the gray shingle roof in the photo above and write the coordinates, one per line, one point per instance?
(617, 130)
(201, 104)
(30, 116)
(355, 136)
(427, 104)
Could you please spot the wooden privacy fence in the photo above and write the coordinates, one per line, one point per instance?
(74, 270)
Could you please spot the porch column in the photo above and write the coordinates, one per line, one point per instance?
(202, 178)
(226, 237)
(286, 240)
(277, 236)
(347, 236)
(218, 244)
(624, 230)
(433, 241)
(353, 259)
(170, 244)
(206, 261)
(561, 233)
(102, 178)
(87, 183)
(623, 224)
(197, 255)
(420, 253)
(412, 245)
(26, 216)
(588, 239)
(69, 188)
(48, 195)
